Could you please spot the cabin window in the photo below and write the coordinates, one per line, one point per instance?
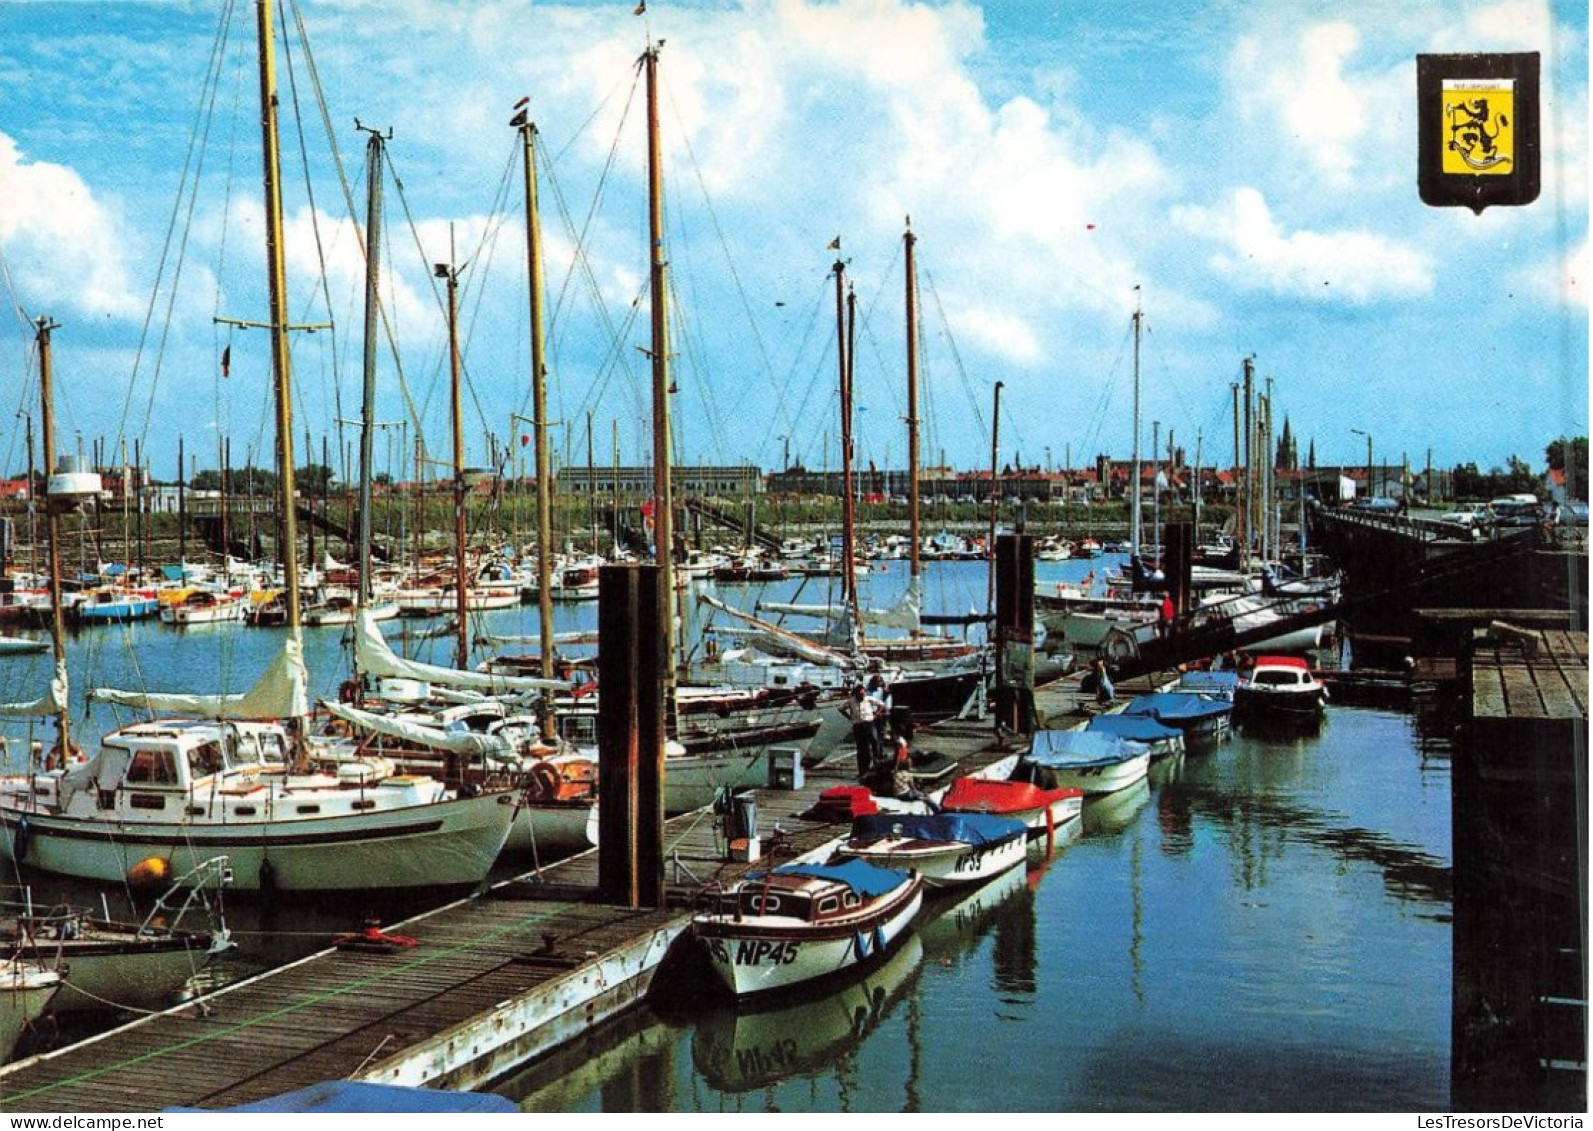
(152, 767)
(829, 905)
(765, 903)
(1277, 679)
(146, 801)
(365, 804)
(851, 899)
(204, 759)
(246, 749)
(272, 748)
(307, 810)
(245, 811)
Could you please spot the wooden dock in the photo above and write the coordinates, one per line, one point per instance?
(492, 982)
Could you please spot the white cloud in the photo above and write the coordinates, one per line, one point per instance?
(1564, 281)
(64, 247)
(1256, 253)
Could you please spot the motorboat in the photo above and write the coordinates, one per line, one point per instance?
(947, 849)
(1091, 761)
(1164, 741)
(797, 924)
(1042, 810)
(1279, 688)
(1202, 718)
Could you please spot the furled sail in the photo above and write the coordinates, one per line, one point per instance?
(52, 702)
(463, 742)
(281, 692)
(373, 657)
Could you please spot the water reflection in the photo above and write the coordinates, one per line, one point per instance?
(739, 1050)
(1111, 813)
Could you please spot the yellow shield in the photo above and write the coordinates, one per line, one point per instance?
(1479, 135)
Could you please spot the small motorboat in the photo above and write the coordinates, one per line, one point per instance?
(946, 849)
(21, 645)
(26, 990)
(776, 930)
(1282, 688)
(1164, 741)
(1202, 718)
(1092, 761)
(1043, 811)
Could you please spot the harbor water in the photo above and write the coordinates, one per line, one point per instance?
(1262, 926)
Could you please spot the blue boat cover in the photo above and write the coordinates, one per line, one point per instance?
(1178, 707)
(867, 880)
(1135, 728)
(342, 1096)
(978, 829)
(1209, 683)
(1080, 749)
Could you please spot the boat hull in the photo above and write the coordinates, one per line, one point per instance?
(1104, 779)
(942, 864)
(761, 956)
(450, 843)
(25, 993)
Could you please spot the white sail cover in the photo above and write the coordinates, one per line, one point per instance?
(902, 615)
(464, 742)
(281, 692)
(52, 702)
(373, 657)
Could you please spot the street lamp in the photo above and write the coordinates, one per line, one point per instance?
(1369, 489)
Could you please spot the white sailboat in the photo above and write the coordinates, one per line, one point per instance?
(231, 775)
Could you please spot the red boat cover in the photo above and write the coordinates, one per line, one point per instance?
(985, 795)
(843, 803)
(1282, 662)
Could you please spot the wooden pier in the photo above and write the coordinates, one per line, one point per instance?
(492, 981)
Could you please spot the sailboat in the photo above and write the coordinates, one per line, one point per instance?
(232, 775)
(930, 676)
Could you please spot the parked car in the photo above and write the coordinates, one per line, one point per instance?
(1468, 515)
(1516, 510)
(1380, 504)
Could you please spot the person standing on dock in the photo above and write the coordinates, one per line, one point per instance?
(1165, 616)
(1105, 693)
(860, 709)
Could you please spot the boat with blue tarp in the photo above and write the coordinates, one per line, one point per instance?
(1163, 740)
(1093, 761)
(946, 849)
(1202, 718)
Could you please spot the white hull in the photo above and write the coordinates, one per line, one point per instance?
(1104, 779)
(322, 617)
(127, 977)
(766, 954)
(209, 614)
(546, 832)
(942, 864)
(443, 843)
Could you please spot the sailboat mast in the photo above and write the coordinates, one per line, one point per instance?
(276, 272)
(848, 514)
(52, 525)
(373, 245)
(539, 407)
(461, 585)
(914, 565)
(663, 495)
(1134, 531)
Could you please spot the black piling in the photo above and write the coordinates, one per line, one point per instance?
(630, 726)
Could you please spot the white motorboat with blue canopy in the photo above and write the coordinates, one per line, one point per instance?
(1200, 717)
(1093, 761)
(947, 849)
(1163, 740)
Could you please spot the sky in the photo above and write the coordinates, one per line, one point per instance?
(1243, 173)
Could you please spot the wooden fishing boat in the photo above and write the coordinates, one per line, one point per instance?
(798, 924)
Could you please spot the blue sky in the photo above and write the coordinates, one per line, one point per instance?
(1251, 168)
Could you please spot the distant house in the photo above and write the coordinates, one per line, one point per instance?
(1554, 486)
(14, 489)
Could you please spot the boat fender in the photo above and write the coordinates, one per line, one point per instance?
(20, 840)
